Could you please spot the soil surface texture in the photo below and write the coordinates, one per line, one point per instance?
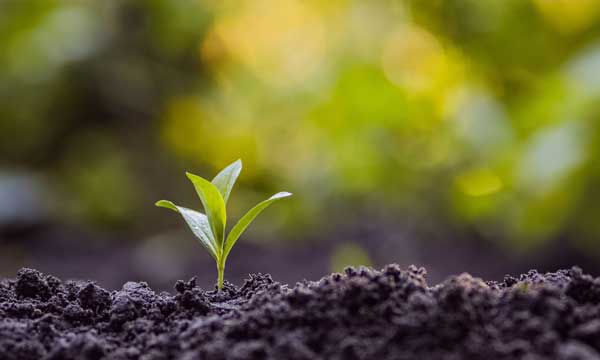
(360, 314)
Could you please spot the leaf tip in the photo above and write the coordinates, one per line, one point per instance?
(236, 165)
(193, 177)
(166, 204)
(281, 195)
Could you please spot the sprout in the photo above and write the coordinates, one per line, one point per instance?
(210, 228)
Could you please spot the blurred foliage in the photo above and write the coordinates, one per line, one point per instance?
(476, 113)
(349, 254)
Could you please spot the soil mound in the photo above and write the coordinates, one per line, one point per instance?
(360, 314)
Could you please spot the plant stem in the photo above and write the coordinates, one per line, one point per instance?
(221, 273)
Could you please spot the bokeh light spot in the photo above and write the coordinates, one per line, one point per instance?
(479, 182)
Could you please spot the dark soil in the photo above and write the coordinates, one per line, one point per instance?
(361, 314)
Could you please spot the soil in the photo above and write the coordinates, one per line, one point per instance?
(360, 314)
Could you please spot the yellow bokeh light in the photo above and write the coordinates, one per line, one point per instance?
(413, 58)
(479, 182)
(282, 42)
(569, 15)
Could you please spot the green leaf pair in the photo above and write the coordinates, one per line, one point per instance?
(210, 228)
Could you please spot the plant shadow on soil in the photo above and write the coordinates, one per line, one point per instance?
(359, 314)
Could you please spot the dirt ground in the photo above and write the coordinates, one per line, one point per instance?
(360, 314)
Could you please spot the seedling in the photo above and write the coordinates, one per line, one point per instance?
(210, 228)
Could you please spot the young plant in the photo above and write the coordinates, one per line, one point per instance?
(210, 228)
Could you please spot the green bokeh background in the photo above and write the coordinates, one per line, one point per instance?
(432, 124)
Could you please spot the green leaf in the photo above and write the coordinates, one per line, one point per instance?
(214, 206)
(243, 223)
(197, 222)
(225, 180)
